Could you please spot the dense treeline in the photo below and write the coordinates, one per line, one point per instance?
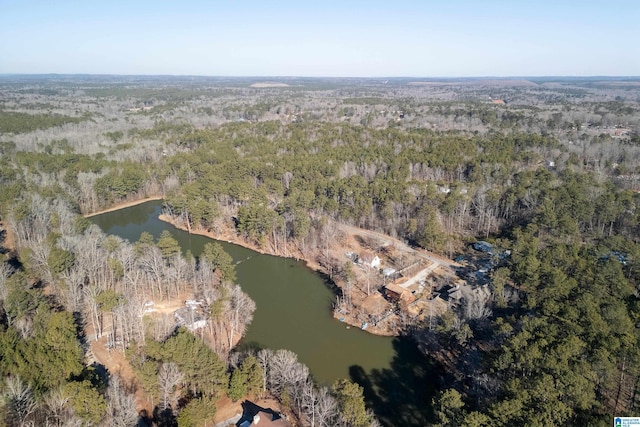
(419, 185)
(566, 353)
(45, 381)
(574, 339)
(16, 122)
(564, 350)
(561, 279)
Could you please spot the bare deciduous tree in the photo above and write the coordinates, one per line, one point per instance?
(121, 408)
(153, 264)
(5, 272)
(169, 377)
(476, 306)
(92, 309)
(285, 370)
(74, 280)
(241, 308)
(56, 402)
(326, 408)
(19, 400)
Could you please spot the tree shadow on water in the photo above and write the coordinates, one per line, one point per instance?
(402, 394)
(251, 347)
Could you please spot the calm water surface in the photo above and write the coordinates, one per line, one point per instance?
(294, 312)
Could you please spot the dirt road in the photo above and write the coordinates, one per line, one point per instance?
(398, 244)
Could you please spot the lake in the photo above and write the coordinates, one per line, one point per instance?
(294, 313)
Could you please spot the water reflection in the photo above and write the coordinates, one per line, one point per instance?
(401, 394)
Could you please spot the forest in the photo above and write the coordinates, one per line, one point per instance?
(548, 171)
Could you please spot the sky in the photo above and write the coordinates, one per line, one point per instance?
(332, 38)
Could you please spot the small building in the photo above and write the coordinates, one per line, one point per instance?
(369, 259)
(254, 415)
(454, 295)
(483, 246)
(265, 419)
(189, 318)
(397, 293)
(388, 272)
(148, 307)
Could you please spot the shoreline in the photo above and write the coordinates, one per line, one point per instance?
(236, 240)
(123, 205)
(315, 267)
(233, 238)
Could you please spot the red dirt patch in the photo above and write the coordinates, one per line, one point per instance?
(115, 362)
(124, 205)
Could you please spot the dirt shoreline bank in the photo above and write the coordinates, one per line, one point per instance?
(237, 240)
(232, 237)
(123, 205)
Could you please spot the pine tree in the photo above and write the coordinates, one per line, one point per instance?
(238, 385)
(351, 401)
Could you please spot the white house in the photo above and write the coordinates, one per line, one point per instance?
(370, 259)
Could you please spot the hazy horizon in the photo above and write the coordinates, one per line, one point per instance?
(372, 39)
(427, 79)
